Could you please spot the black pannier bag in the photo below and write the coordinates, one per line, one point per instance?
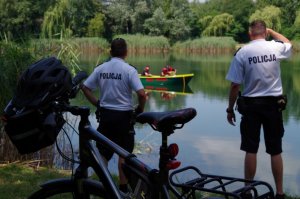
(30, 122)
(32, 130)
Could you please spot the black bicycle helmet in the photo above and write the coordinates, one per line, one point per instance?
(44, 81)
(31, 124)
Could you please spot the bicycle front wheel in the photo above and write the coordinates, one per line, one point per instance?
(65, 188)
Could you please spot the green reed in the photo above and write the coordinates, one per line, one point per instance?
(13, 60)
(206, 45)
(296, 45)
(84, 44)
(144, 44)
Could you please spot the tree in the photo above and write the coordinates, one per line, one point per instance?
(180, 19)
(270, 14)
(158, 24)
(289, 13)
(288, 8)
(81, 12)
(57, 20)
(69, 17)
(220, 25)
(118, 17)
(296, 27)
(142, 11)
(179, 30)
(239, 9)
(96, 26)
(15, 17)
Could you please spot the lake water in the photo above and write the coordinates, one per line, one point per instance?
(208, 141)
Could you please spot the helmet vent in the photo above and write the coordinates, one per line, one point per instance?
(37, 75)
(55, 72)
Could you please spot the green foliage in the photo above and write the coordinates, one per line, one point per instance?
(119, 17)
(68, 50)
(81, 12)
(288, 8)
(13, 60)
(296, 45)
(140, 43)
(206, 45)
(96, 26)
(140, 14)
(219, 25)
(205, 21)
(271, 15)
(239, 9)
(14, 16)
(68, 17)
(157, 24)
(56, 20)
(177, 20)
(180, 19)
(296, 26)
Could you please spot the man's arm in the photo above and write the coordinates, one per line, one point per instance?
(233, 94)
(277, 36)
(89, 95)
(142, 100)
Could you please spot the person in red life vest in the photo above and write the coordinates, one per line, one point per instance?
(146, 71)
(171, 70)
(168, 70)
(164, 72)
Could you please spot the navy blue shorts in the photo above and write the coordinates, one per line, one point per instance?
(116, 126)
(270, 118)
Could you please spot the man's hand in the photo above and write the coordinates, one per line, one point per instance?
(277, 35)
(231, 116)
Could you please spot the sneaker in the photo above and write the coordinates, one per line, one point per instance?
(279, 196)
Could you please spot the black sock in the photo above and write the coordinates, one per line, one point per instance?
(123, 188)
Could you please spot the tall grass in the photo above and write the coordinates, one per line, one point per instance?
(13, 60)
(206, 45)
(145, 44)
(296, 45)
(69, 50)
(84, 44)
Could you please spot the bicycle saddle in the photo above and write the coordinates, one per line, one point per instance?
(167, 121)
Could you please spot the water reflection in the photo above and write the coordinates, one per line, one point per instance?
(168, 93)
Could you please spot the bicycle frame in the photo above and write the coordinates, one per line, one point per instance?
(90, 157)
(158, 180)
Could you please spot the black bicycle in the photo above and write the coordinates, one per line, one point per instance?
(145, 182)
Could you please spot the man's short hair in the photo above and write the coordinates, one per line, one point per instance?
(118, 47)
(257, 27)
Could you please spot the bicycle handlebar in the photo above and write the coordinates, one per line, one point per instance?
(76, 81)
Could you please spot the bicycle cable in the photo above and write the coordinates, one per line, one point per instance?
(72, 160)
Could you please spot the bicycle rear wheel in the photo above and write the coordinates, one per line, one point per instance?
(65, 188)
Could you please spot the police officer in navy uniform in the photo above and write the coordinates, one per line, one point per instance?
(256, 66)
(116, 81)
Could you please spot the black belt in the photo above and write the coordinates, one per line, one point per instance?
(114, 111)
(262, 100)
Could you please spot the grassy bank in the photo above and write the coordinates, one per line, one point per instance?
(206, 45)
(26, 180)
(19, 181)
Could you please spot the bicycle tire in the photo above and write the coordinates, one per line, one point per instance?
(64, 188)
